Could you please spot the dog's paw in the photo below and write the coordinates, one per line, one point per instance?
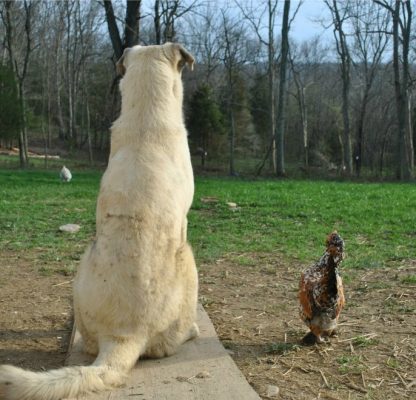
(193, 332)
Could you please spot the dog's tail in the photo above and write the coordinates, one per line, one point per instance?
(109, 370)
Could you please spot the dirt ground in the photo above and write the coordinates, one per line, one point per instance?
(35, 313)
(251, 299)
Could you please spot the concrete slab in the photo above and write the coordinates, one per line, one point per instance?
(201, 370)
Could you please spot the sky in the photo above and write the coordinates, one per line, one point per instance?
(305, 26)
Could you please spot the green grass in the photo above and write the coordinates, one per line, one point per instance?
(293, 218)
(410, 279)
(288, 217)
(282, 348)
(33, 205)
(363, 341)
(393, 363)
(350, 364)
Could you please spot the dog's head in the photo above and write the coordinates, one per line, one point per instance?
(174, 53)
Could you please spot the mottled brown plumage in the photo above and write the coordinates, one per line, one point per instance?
(321, 294)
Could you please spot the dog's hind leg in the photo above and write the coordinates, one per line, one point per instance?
(184, 327)
(192, 333)
(90, 343)
(189, 327)
(165, 344)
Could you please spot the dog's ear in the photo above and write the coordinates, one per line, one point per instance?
(184, 57)
(121, 63)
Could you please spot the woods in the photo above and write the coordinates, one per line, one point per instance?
(260, 101)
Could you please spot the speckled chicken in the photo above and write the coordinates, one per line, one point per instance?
(321, 294)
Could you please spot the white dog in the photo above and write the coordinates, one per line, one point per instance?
(135, 292)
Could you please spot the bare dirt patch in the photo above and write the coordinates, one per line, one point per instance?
(252, 300)
(35, 313)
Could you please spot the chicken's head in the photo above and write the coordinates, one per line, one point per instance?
(335, 245)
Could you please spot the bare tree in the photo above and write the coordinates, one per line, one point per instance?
(206, 42)
(233, 57)
(301, 87)
(307, 73)
(66, 76)
(87, 27)
(166, 13)
(131, 26)
(401, 12)
(369, 24)
(71, 47)
(338, 19)
(156, 21)
(59, 74)
(281, 104)
(46, 16)
(255, 19)
(19, 46)
(119, 43)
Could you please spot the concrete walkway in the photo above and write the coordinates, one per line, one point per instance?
(201, 370)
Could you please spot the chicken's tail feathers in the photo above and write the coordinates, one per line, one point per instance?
(19, 384)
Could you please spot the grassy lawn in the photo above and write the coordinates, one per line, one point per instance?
(377, 221)
(34, 204)
(289, 217)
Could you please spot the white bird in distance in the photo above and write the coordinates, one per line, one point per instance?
(65, 174)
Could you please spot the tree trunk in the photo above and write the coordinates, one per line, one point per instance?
(70, 74)
(45, 141)
(24, 159)
(19, 75)
(113, 29)
(271, 76)
(22, 150)
(346, 137)
(158, 32)
(231, 135)
(272, 118)
(405, 157)
(410, 148)
(281, 105)
(360, 132)
(60, 116)
(90, 156)
(304, 118)
(301, 94)
(343, 52)
(56, 95)
(400, 156)
(45, 105)
(49, 107)
(70, 116)
(232, 142)
(131, 27)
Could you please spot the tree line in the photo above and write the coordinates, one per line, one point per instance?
(258, 99)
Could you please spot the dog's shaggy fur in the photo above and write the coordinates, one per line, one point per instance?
(135, 291)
